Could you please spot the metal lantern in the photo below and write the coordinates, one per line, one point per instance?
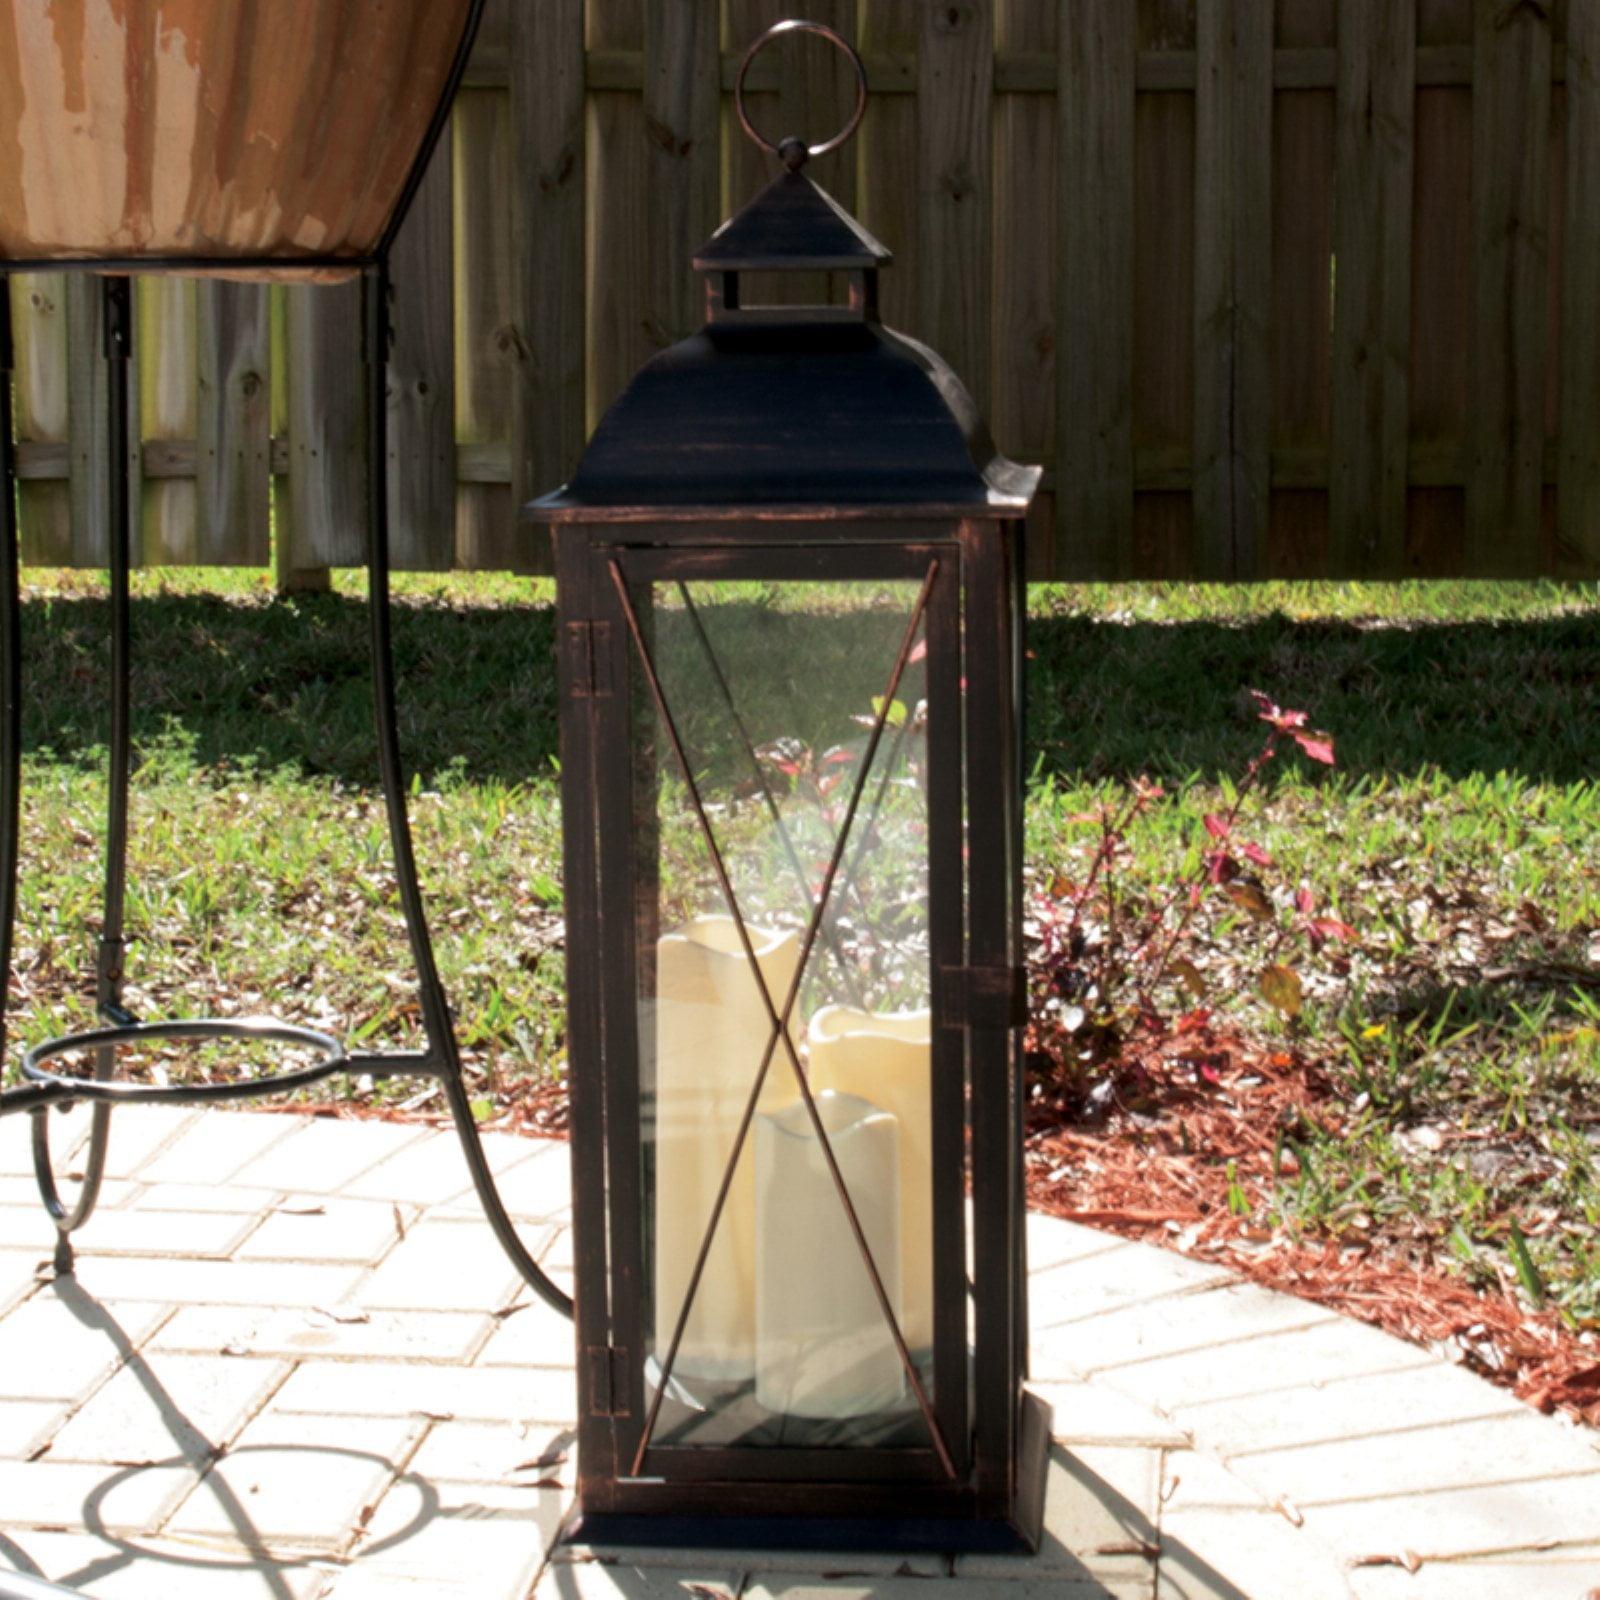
(789, 580)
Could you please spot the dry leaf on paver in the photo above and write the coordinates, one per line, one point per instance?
(1409, 1559)
(399, 1221)
(348, 1315)
(307, 1208)
(1286, 1507)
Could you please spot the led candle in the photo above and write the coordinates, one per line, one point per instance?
(823, 1346)
(711, 1028)
(886, 1057)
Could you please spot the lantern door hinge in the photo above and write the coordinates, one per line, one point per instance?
(588, 652)
(608, 1368)
(984, 997)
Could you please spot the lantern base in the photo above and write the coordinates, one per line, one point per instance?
(1017, 1533)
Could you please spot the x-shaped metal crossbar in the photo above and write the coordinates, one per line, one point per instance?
(779, 1018)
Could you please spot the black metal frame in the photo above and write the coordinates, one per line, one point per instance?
(980, 1484)
(44, 1088)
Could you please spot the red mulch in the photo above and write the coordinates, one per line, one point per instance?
(1151, 1162)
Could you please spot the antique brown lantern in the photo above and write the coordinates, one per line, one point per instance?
(789, 573)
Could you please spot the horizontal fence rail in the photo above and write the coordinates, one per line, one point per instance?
(1305, 288)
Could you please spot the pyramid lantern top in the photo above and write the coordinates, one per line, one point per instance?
(791, 224)
(792, 410)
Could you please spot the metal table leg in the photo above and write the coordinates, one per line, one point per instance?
(44, 1088)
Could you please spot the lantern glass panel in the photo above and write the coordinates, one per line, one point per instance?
(783, 929)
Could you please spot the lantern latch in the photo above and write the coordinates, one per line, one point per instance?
(984, 997)
(588, 648)
(608, 1381)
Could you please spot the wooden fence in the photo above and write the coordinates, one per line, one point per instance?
(1272, 287)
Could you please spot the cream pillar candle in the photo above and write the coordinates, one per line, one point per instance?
(823, 1347)
(711, 1028)
(887, 1057)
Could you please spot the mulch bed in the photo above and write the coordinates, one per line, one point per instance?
(1150, 1159)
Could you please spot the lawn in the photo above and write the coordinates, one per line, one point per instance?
(1457, 1036)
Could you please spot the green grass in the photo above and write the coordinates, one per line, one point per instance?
(1460, 833)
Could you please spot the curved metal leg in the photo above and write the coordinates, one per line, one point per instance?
(442, 1046)
(117, 303)
(10, 669)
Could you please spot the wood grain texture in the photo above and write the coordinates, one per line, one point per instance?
(421, 390)
(87, 390)
(1094, 318)
(621, 338)
(1233, 287)
(322, 511)
(42, 415)
(1510, 146)
(1022, 404)
(547, 244)
(1578, 482)
(682, 126)
(887, 149)
(955, 90)
(489, 351)
(233, 459)
(183, 128)
(1372, 287)
(167, 346)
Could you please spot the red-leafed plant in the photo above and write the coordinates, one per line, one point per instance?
(1108, 959)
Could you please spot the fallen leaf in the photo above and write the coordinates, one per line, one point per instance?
(1282, 990)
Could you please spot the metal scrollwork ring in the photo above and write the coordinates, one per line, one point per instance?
(793, 151)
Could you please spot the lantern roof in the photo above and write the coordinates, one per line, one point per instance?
(809, 410)
(791, 225)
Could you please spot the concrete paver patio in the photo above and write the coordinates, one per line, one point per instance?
(292, 1363)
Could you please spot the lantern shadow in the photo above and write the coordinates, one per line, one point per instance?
(286, 683)
(1112, 699)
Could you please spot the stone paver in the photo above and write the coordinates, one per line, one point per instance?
(214, 1234)
(322, 1156)
(297, 1483)
(60, 1345)
(445, 1266)
(303, 1229)
(346, 1332)
(293, 1363)
(162, 1407)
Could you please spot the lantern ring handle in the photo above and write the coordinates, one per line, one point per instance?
(792, 151)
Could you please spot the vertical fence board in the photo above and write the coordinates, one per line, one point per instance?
(547, 244)
(1510, 119)
(1024, 213)
(491, 356)
(1300, 339)
(886, 151)
(168, 410)
(1233, 287)
(1441, 320)
(1163, 299)
(233, 441)
(682, 124)
(421, 391)
(1094, 401)
(1372, 300)
(619, 276)
(1578, 483)
(43, 416)
(88, 465)
(322, 511)
(955, 88)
